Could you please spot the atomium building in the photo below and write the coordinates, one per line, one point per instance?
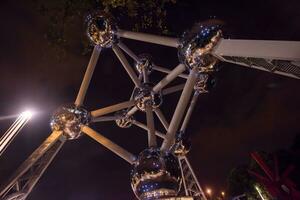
(159, 171)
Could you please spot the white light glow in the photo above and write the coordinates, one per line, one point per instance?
(27, 114)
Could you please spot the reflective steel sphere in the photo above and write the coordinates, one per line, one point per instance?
(196, 46)
(145, 95)
(182, 144)
(68, 119)
(124, 121)
(155, 175)
(145, 63)
(101, 29)
(205, 82)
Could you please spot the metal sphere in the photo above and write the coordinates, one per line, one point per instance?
(196, 46)
(155, 175)
(182, 144)
(145, 63)
(124, 121)
(145, 95)
(101, 29)
(68, 119)
(205, 82)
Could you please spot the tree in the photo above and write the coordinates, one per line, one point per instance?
(65, 17)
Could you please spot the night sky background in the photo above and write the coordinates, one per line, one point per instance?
(248, 110)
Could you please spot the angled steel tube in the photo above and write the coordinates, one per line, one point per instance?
(143, 126)
(189, 111)
(145, 37)
(170, 77)
(113, 108)
(172, 89)
(167, 71)
(180, 109)
(162, 118)
(87, 76)
(128, 51)
(126, 65)
(123, 153)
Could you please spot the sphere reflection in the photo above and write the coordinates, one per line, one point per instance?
(155, 175)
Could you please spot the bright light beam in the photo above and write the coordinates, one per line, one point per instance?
(13, 130)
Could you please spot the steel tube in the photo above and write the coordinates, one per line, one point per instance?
(87, 76)
(113, 108)
(143, 126)
(180, 109)
(189, 112)
(167, 71)
(126, 65)
(106, 118)
(170, 77)
(109, 144)
(145, 37)
(172, 89)
(162, 118)
(132, 111)
(151, 129)
(128, 51)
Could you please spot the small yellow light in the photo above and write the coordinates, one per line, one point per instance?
(223, 193)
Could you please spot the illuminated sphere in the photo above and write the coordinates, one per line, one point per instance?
(145, 63)
(196, 46)
(144, 95)
(124, 121)
(155, 175)
(101, 29)
(182, 144)
(68, 119)
(205, 82)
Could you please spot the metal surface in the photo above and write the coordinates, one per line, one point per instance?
(12, 132)
(145, 37)
(113, 108)
(87, 76)
(180, 110)
(279, 57)
(155, 175)
(143, 126)
(190, 181)
(145, 95)
(109, 144)
(156, 172)
(126, 65)
(68, 119)
(101, 29)
(162, 118)
(170, 77)
(196, 46)
(31, 170)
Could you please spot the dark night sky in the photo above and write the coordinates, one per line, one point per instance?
(248, 109)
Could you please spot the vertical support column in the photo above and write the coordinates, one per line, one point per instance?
(87, 76)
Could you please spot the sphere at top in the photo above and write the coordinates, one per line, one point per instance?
(196, 46)
(155, 175)
(100, 29)
(68, 119)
